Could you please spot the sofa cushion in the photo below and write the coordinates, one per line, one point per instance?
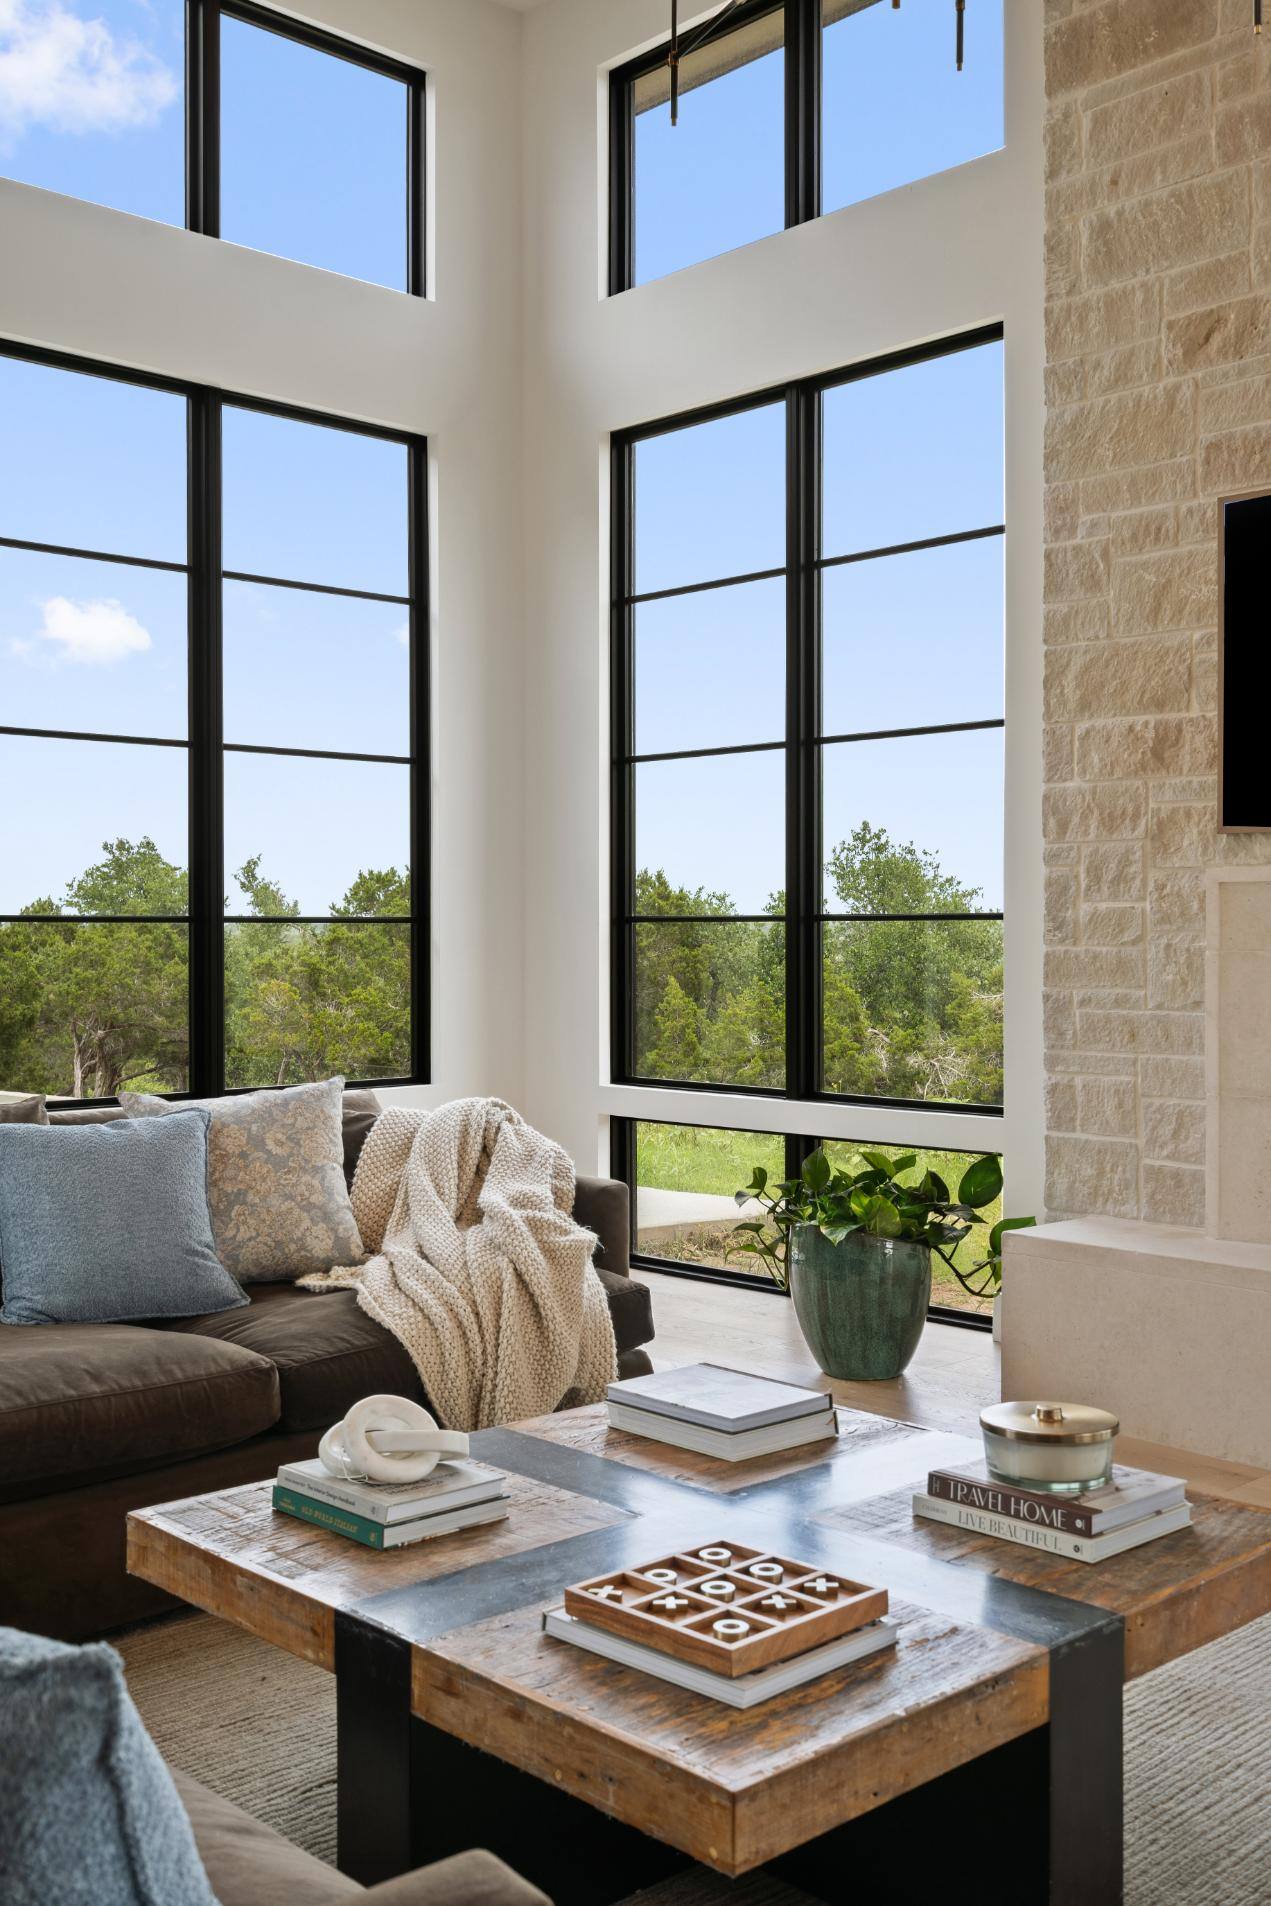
(251, 1865)
(275, 1178)
(327, 1352)
(91, 1816)
(109, 1224)
(77, 1399)
(22, 1108)
(630, 1307)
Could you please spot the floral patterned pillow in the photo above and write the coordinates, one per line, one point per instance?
(275, 1179)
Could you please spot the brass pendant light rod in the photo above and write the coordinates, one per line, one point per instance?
(961, 9)
(676, 52)
(1257, 16)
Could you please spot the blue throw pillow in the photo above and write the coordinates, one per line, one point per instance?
(91, 1817)
(103, 1224)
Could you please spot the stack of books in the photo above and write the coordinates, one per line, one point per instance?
(387, 1515)
(720, 1412)
(1135, 1507)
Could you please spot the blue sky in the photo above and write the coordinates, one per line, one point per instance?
(314, 168)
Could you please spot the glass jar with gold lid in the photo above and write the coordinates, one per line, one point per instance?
(1065, 1447)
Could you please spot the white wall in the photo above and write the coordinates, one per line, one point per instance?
(80, 278)
(950, 253)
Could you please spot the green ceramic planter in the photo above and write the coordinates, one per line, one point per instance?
(861, 1304)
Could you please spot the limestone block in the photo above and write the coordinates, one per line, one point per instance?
(1060, 907)
(1103, 320)
(1146, 745)
(1236, 460)
(1088, 621)
(1176, 899)
(1147, 677)
(1074, 570)
(1174, 1194)
(1112, 870)
(1092, 1174)
(1140, 1032)
(1173, 481)
(1221, 334)
(1112, 924)
(1168, 589)
(1183, 836)
(1111, 433)
(1168, 165)
(1174, 1133)
(1211, 282)
(1125, 368)
(1198, 522)
(1166, 1078)
(1063, 143)
(1199, 218)
(1094, 966)
(1113, 810)
(1059, 1020)
(1056, 751)
(1150, 118)
(1243, 130)
(1103, 42)
(1141, 530)
(1061, 1104)
(1107, 1107)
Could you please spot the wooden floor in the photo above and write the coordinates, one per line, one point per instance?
(954, 1374)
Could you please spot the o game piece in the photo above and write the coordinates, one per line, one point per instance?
(730, 1629)
(664, 1575)
(766, 1571)
(720, 1557)
(718, 1591)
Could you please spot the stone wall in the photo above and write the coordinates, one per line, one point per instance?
(1158, 315)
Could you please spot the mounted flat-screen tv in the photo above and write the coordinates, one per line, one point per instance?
(1244, 662)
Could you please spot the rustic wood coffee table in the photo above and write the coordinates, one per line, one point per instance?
(979, 1761)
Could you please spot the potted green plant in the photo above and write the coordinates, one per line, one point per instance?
(854, 1250)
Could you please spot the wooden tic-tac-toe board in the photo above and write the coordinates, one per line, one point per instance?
(725, 1607)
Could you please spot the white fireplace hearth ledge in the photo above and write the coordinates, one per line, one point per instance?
(1168, 1328)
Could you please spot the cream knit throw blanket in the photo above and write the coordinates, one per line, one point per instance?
(479, 1270)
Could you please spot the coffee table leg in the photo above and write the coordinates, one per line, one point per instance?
(374, 1782)
(1087, 1833)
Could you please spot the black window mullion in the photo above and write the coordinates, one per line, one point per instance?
(803, 826)
(416, 188)
(420, 755)
(203, 117)
(803, 110)
(207, 775)
(622, 771)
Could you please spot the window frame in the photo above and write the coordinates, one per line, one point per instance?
(623, 1165)
(206, 919)
(203, 116)
(805, 914)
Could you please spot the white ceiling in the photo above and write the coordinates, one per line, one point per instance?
(520, 6)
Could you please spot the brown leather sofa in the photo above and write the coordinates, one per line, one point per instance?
(98, 1419)
(248, 1864)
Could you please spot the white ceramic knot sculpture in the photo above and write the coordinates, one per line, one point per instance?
(388, 1439)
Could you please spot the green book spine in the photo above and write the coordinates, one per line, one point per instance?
(324, 1516)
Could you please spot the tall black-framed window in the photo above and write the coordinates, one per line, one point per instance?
(293, 140)
(806, 794)
(791, 108)
(214, 723)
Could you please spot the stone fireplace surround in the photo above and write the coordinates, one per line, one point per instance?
(1152, 1291)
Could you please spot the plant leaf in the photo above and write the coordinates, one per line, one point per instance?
(816, 1172)
(880, 1162)
(981, 1182)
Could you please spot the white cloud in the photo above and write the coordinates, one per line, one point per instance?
(97, 632)
(70, 74)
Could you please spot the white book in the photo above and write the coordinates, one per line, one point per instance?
(400, 1533)
(718, 1398)
(746, 1690)
(1128, 1497)
(1078, 1548)
(731, 1446)
(452, 1485)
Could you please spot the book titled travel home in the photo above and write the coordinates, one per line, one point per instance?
(1076, 1548)
(452, 1485)
(717, 1398)
(1131, 1495)
(380, 1535)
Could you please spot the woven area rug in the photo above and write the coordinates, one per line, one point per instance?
(259, 1727)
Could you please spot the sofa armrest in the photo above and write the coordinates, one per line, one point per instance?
(604, 1206)
(466, 1879)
